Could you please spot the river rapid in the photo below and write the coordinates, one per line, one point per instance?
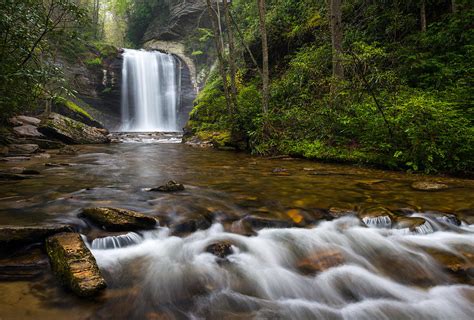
(307, 240)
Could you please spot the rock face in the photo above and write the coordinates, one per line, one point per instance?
(21, 235)
(74, 264)
(117, 219)
(71, 131)
(28, 131)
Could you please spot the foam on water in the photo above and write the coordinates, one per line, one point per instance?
(385, 274)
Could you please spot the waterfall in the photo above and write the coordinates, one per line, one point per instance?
(150, 91)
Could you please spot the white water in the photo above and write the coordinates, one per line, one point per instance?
(385, 274)
(150, 91)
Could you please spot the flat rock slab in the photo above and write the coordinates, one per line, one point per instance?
(118, 219)
(19, 120)
(20, 235)
(74, 264)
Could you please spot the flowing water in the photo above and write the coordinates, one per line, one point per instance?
(317, 264)
(150, 91)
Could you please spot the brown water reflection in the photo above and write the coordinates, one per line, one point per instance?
(230, 184)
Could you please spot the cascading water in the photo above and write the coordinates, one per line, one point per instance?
(150, 91)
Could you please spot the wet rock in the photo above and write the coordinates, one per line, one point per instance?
(22, 148)
(43, 155)
(260, 223)
(12, 176)
(220, 249)
(74, 264)
(336, 212)
(27, 130)
(373, 184)
(14, 159)
(428, 186)
(67, 150)
(461, 263)
(44, 143)
(408, 222)
(378, 217)
(23, 265)
(3, 150)
(191, 225)
(20, 235)
(56, 165)
(118, 219)
(170, 186)
(280, 172)
(320, 261)
(71, 131)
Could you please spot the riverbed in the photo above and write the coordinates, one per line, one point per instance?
(307, 208)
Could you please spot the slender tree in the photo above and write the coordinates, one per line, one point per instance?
(220, 53)
(423, 16)
(454, 7)
(265, 72)
(232, 64)
(336, 38)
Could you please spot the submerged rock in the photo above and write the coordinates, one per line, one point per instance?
(220, 249)
(74, 264)
(71, 131)
(118, 219)
(23, 265)
(21, 235)
(320, 261)
(259, 223)
(428, 186)
(22, 148)
(170, 186)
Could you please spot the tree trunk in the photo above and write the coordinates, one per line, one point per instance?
(220, 54)
(265, 72)
(454, 7)
(423, 16)
(232, 66)
(336, 38)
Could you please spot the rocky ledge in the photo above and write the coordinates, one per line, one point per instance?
(74, 264)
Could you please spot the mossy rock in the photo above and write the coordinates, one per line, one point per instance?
(73, 110)
(71, 131)
(118, 219)
(74, 265)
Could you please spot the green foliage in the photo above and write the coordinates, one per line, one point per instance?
(94, 62)
(406, 101)
(29, 30)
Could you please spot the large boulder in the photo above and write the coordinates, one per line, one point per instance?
(74, 264)
(118, 219)
(20, 235)
(71, 131)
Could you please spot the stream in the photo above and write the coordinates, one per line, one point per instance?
(298, 248)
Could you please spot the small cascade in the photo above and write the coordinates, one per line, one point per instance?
(151, 82)
(115, 242)
(378, 222)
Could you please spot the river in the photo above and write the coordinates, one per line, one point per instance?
(379, 272)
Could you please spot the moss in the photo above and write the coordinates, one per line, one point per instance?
(94, 62)
(218, 138)
(73, 107)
